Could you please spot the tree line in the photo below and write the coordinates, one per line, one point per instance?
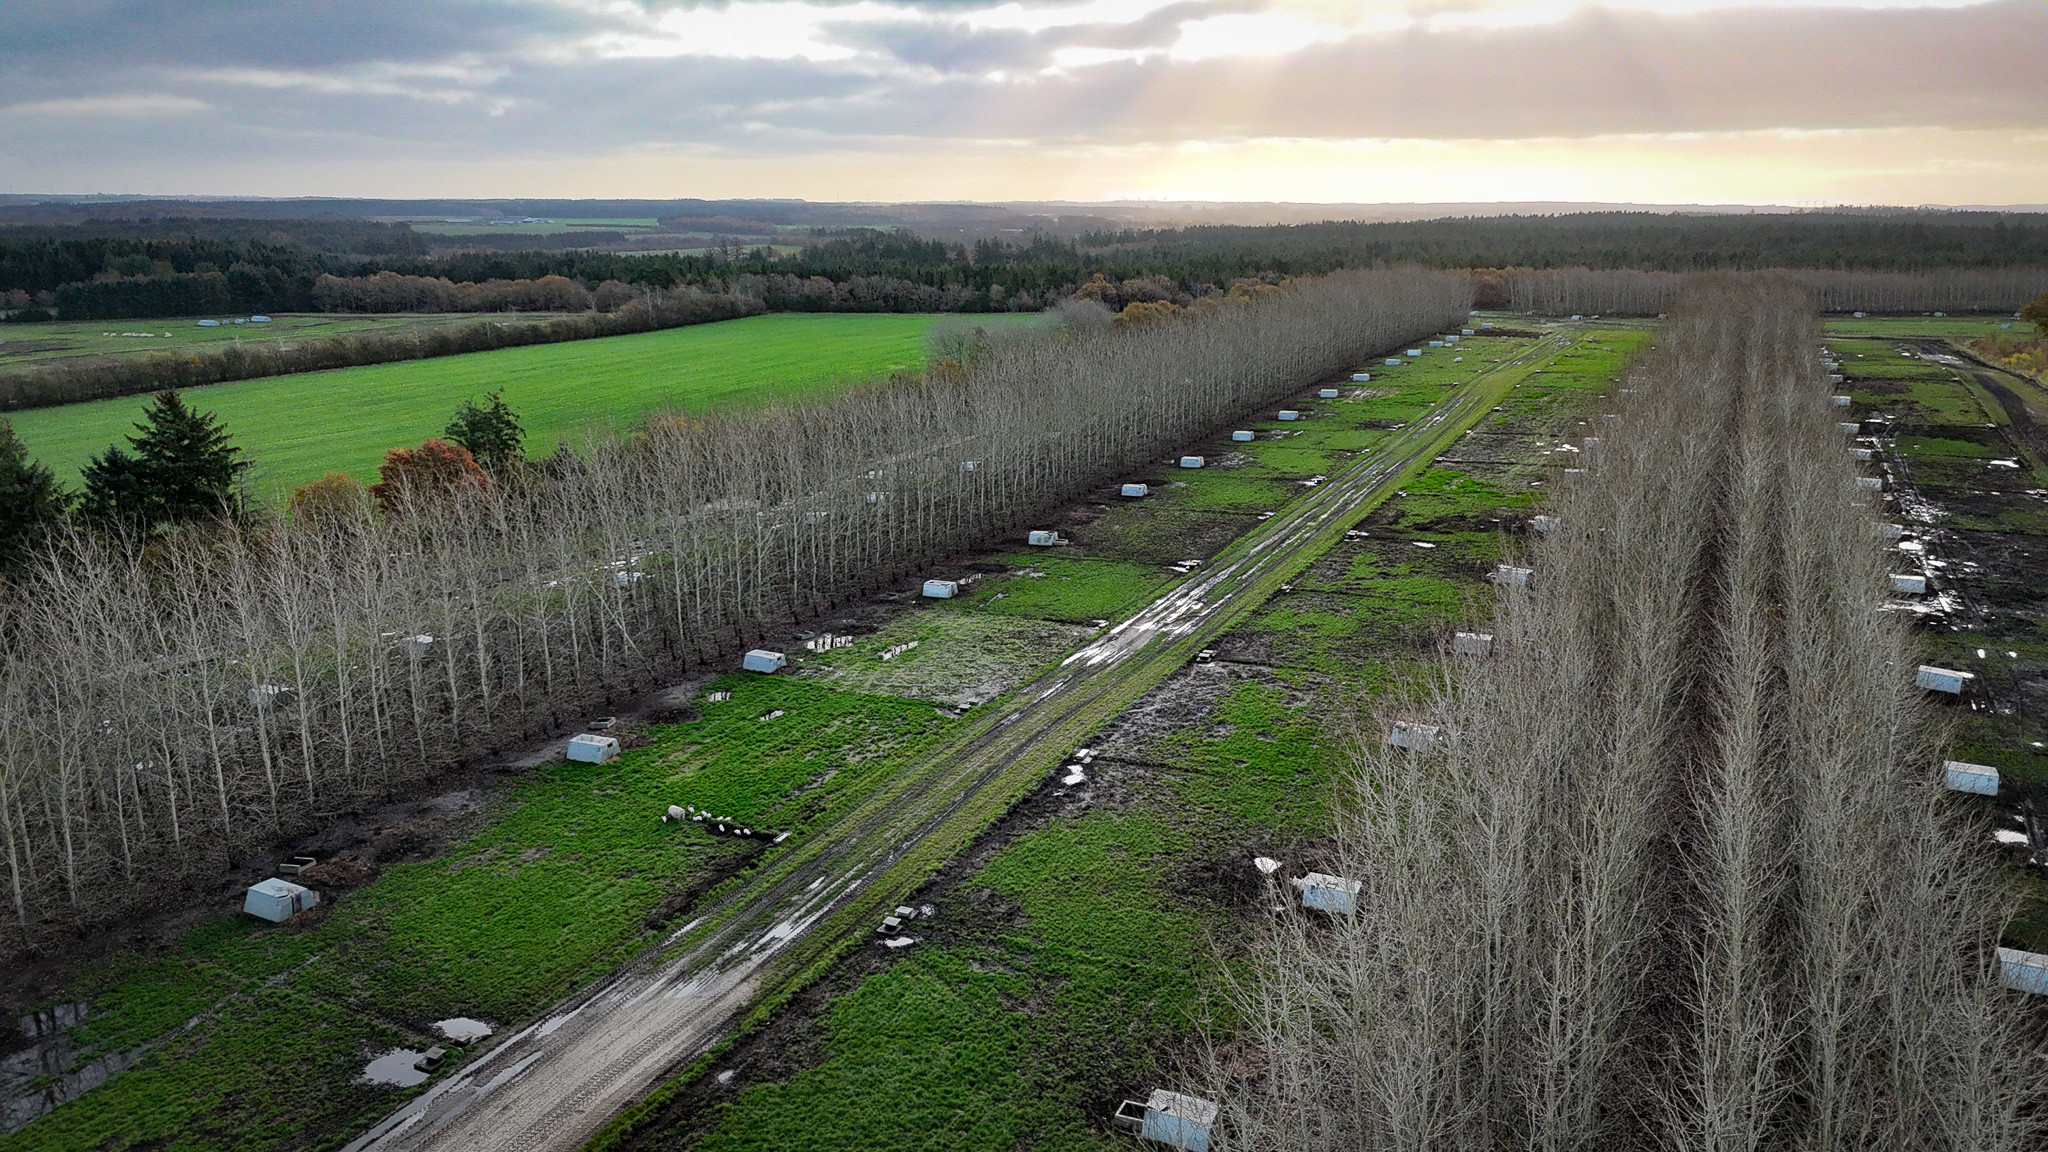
(68, 381)
(219, 270)
(1679, 872)
(1639, 292)
(170, 703)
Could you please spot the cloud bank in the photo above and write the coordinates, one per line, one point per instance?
(886, 99)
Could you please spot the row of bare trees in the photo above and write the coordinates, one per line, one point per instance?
(1678, 873)
(1635, 292)
(165, 708)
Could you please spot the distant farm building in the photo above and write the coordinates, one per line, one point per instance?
(1136, 490)
(941, 589)
(1192, 461)
(1242, 435)
(762, 660)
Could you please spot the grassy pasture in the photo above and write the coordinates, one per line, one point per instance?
(1937, 327)
(559, 224)
(297, 427)
(24, 344)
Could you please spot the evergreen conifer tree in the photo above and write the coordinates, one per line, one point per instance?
(182, 468)
(31, 500)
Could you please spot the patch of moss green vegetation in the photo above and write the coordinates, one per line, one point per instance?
(1912, 445)
(1155, 532)
(1941, 327)
(553, 892)
(1076, 590)
(1558, 396)
(1227, 490)
(1061, 974)
(1262, 760)
(962, 656)
(1445, 496)
(1911, 390)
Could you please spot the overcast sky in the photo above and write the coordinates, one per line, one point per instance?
(1778, 101)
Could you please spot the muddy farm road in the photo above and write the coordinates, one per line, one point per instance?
(560, 1081)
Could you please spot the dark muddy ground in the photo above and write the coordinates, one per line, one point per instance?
(1968, 465)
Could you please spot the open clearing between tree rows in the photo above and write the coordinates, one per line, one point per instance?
(499, 900)
(294, 428)
(1070, 933)
(1965, 452)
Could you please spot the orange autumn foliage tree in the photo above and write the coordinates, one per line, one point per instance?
(414, 477)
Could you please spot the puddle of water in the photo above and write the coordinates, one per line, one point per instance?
(395, 1068)
(41, 1076)
(462, 1029)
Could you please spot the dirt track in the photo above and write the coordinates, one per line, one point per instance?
(558, 1082)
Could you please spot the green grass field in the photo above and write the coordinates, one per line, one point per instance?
(297, 427)
(609, 224)
(26, 344)
(1938, 327)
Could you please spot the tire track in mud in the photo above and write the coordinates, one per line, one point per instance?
(560, 1081)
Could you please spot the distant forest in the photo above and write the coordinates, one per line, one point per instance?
(110, 269)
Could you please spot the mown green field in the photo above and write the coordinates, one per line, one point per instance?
(297, 427)
(26, 344)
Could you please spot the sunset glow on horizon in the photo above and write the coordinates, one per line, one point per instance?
(1652, 101)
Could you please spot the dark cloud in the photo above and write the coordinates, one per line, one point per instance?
(958, 46)
(360, 80)
(48, 36)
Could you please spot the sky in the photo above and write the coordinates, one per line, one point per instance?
(1803, 102)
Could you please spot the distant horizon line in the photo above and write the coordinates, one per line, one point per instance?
(1118, 202)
